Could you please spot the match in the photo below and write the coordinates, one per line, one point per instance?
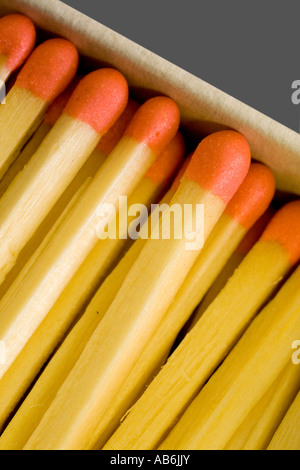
(246, 245)
(262, 422)
(219, 328)
(17, 41)
(77, 235)
(147, 287)
(47, 73)
(287, 435)
(52, 115)
(260, 183)
(89, 169)
(244, 377)
(96, 104)
(74, 298)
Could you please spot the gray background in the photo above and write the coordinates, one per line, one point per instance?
(249, 49)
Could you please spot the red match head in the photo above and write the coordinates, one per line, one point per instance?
(285, 229)
(155, 123)
(253, 197)
(17, 40)
(220, 164)
(50, 69)
(100, 99)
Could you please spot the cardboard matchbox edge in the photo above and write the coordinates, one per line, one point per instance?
(203, 107)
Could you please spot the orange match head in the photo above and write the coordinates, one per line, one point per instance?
(99, 99)
(55, 110)
(50, 69)
(155, 124)
(253, 196)
(168, 162)
(254, 234)
(17, 39)
(221, 163)
(115, 133)
(181, 173)
(285, 229)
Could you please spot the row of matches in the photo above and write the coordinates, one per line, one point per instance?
(88, 324)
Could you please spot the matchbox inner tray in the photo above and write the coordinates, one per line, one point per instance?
(204, 109)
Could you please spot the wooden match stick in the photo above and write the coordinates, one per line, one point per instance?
(48, 71)
(78, 234)
(237, 257)
(165, 336)
(55, 110)
(17, 40)
(259, 427)
(96, 104)
(245, 376)
(287, 435)
(246, 207)
(44, 391)
(50, 118)
(89, 169)
(142, 300)
(61, 317)
(216, 332)
(237, 218)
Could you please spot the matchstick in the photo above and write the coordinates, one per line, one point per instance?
(17, 40)
(287, 435)
(259, 427)
(89, 169)
(142, 300)
(96, 104)
(244, 377)
(237, 218)
(249, 203)
(76, 295)
(246, 245)
(215, 334)
(78, 234)
(260, 183)
(50, 118)
(48, 71)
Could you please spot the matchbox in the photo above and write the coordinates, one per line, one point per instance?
(204, 108)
